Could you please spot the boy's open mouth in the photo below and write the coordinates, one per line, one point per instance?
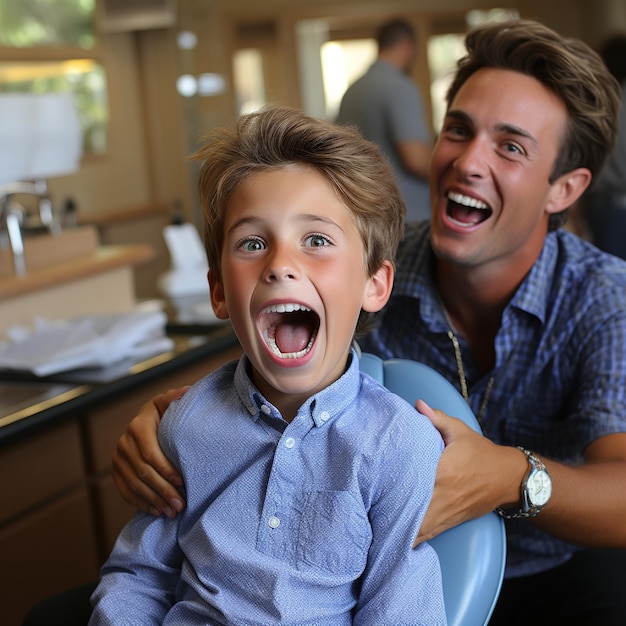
(289, 329)
(465, 210)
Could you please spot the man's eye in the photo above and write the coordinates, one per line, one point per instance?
(317, 241)
(454, 129)
(252, 245)
(513, 148)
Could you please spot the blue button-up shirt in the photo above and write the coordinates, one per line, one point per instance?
(310, 522)
(559, 381)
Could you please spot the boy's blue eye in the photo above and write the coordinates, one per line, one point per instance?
(317, 241)
(252, 245)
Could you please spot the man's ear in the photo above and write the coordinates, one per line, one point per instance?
(378, 288)
(218, 299)
(567, 189)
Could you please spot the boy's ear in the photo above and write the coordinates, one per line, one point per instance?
(567, 189)
(378, 288)
(218, 299)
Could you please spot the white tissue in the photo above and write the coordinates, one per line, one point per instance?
(92, 341)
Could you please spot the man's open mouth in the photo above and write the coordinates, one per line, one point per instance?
(289, 329)
(465, 210)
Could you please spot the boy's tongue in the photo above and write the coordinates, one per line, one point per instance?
(292, 337)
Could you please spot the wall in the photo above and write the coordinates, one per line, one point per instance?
(153, 130)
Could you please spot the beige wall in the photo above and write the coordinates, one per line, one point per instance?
(153, 130)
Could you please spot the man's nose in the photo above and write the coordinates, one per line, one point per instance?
(473, 159)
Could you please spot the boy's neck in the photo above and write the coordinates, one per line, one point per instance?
(288, 404)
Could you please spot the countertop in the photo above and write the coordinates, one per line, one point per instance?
(28, 403)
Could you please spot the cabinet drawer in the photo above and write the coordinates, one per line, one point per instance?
(39, 468)
(45, 552)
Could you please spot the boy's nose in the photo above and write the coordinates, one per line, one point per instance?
(280, 267)
(280, 273)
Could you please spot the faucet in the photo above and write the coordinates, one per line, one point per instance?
(12, 217)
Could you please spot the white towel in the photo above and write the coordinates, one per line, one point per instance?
(91, 341)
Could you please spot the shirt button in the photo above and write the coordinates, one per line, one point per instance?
(290, 442)
(265, 409)
(324, 415)
(274, 522)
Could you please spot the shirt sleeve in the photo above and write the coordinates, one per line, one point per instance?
(139, 578)
(600, 398)
(402, 585)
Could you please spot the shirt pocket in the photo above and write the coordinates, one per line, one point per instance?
(334, 533)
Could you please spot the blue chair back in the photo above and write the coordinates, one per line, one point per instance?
(473, 554)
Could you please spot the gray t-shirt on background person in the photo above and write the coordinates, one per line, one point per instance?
(387, 107)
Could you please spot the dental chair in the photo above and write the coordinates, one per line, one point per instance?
(472, 555)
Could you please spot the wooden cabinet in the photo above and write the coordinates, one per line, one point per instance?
(60, 511)
(47, 534)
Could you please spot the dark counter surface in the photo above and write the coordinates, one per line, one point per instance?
(28, 403)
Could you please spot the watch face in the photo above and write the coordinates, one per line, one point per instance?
(539, 488)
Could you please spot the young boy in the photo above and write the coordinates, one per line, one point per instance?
(306, 481)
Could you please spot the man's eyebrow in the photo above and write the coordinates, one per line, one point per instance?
(503, 127)
(511, 129)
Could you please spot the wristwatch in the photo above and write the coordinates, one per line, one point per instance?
(536, 489)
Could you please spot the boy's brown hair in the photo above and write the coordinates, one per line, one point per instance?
(277, 136)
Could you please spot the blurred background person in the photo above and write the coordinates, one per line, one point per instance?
(388, 108)
(604, 206)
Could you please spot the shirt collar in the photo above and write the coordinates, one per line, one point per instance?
(415, 252)
(321, 408)
(533, 294)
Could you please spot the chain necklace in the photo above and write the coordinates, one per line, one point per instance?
(463, 379)
(461, 370)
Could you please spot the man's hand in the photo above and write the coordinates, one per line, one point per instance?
(473, 478)
(142, 473)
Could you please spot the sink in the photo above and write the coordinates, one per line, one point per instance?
(44, 250)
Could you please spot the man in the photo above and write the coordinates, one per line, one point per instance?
(386, 106)
(525, 318)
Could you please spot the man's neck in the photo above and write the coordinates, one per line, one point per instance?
(474, 303)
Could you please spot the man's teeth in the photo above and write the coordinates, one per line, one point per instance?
(468, 201)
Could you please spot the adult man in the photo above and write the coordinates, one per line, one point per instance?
(387, 107)
(526, 319)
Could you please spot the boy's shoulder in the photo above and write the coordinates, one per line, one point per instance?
(208, 389)
(382, 410)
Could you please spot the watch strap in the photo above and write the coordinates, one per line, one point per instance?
(527, 509)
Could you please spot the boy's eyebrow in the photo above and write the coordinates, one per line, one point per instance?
(303, 217)
(503, 127)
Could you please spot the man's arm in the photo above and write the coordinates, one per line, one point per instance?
(415, 157)
(475, 476)
(142, 473)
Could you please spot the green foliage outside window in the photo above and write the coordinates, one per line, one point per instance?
(27, 23)
(61, 37)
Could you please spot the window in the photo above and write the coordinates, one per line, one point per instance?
(49, 46)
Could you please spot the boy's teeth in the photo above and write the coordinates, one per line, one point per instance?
(270, 333)
(286, 308)
(460, 198)
(271, 342)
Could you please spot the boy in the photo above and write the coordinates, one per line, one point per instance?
(305, 480)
